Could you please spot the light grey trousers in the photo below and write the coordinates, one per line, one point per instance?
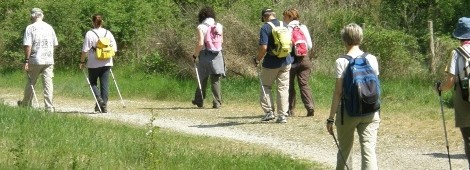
(31, 78)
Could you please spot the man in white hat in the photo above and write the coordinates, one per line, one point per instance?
(39, 41)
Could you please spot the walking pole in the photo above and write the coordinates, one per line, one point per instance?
(34, 92)
(261, 83)
(93, 93)
(339, 151)
(198, 80)
(438, 84)
(119, 92)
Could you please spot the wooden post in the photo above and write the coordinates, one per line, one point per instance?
(431, 46)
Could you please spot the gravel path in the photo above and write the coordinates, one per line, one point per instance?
(302, 137)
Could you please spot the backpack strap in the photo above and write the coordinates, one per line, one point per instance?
(93, 47)
(465, 57)
(349, 58)
(271, 24)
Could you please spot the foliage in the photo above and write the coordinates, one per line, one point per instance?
(166, 27)
(397, 52)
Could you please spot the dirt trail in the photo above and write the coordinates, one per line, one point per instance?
(302, 137)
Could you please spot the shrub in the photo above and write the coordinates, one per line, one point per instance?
(398, 53)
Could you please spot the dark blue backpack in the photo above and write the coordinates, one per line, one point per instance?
(361, 88)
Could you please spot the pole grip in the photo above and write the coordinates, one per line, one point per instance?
(438, 87)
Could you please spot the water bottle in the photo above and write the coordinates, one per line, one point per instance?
(465, 83)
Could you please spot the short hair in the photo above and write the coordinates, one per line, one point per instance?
(352, 34)
(206, 12)
(292, 13)
(36, 13)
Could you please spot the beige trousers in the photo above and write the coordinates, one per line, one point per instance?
(281, 77)
(367, 128)
(31, 79)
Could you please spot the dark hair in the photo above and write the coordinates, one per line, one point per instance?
(98, 20)
(206, 12)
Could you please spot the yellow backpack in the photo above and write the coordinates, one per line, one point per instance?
(282, 40)
(103, 49)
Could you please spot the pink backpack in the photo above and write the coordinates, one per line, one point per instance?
(299, 41)
(213, 39)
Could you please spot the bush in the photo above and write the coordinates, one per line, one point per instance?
(398, 53)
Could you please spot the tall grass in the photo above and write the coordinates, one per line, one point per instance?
(32, 139)
(402, 94)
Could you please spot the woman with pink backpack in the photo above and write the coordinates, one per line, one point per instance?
(209, 52)
(302, 66)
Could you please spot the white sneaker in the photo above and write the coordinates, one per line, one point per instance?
(281, 119)
(268, 116)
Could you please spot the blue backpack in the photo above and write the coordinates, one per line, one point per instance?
(361, 88)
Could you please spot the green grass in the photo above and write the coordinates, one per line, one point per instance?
(35, 140)
(398, 95)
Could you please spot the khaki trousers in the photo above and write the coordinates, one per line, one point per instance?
(367, 128)
(31, 79)
(268, 77)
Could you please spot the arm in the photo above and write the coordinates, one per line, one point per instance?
(82, 59)
(199, 43)
(27, 53)
(261, 52)
(309, 38)
(334, 103)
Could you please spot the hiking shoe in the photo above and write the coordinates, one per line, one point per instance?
(290, 113)
(97, 109)
(281, 119)
(50, 109)
(268, 116)
(198, 104)
(310, 112)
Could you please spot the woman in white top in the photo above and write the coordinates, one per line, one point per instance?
(367, 126)
(211, 63)
(301, 67)
(97, 68)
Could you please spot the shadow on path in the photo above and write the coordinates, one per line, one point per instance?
(444, 155)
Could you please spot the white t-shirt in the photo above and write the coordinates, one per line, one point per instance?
(203, 27)
(90, 41)
(456, 58)
(342, 63)
(42, 39)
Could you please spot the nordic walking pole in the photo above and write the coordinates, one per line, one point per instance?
(339, 150)
(93, 93)
(198, 80)
(34, 92)
(438, 84)
(119, 92)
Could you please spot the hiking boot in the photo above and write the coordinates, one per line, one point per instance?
(20, 103)
(310, 112)
(50, 109)
(97, 109)
(290, 113)
(216, 105)
(281, 119)
(198, 104)
(268, 116)
(104, 109)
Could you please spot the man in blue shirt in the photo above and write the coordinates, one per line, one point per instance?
(273, 69)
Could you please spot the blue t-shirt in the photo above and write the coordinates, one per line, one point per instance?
(266, 38)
